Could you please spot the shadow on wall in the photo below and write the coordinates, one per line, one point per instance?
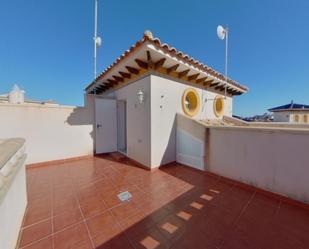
(81, 116)
(84, 116)
(170, 151)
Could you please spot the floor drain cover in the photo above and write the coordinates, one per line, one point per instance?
(124, 196)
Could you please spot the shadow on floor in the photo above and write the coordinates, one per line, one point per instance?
(75, 205)
(197, 210)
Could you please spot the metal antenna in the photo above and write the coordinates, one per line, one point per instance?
(96, 38)
(226, 57)
(223, 33)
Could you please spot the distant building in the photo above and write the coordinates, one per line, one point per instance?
(266, 117)
(292, 113)
(17, 96)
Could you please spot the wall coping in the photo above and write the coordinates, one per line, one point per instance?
(258, 129)
(31, 105)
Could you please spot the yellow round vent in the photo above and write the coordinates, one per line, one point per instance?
(190, 102)
(219, 106)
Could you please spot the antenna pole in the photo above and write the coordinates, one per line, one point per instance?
(95, 36)
(226, 57)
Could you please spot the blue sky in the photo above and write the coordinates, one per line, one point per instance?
(46, 46)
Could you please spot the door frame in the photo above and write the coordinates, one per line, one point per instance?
(124, 123)
(98, 125)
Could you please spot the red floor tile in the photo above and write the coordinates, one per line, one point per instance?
(65, 205)
(35, 232)
(92, 206)
(66, 219)
(151, 239)
(106, 235)
(35, 214)
(71, 237)
(45, 243)
(101, 222)
(75, 205)
(124, 211)
(119, 242)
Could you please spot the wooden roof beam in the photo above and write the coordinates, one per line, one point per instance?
(193, 76)
(230, 91)
(201, 80)
(111, 82)
(238, 93)
(149, 60)
(100, 87)
(183, 73)
(125, 75)
(172, 68)
(220, 88)
(214, 84)
(117, 78)
(132, 70)
(141, 64)
(159, 63)
(148, 55)
(208, 82)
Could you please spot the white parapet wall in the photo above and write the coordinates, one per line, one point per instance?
(166, 103)
(190, 145)
(13, 194)
(274, 159)
(52, 132)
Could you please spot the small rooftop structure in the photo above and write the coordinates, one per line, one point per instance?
(17, 96)
(138, 97)
(291, 107)
(292, 113)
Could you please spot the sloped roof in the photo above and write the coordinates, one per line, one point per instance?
(291, 106)
(150, 53)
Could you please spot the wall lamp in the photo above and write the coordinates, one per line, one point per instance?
(140, 96)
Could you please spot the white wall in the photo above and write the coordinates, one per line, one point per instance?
(12, 211)
(166, 102)
(272, 159)
(289, 116)
(51, 132)
(138, 119)
(282, 117)
(191, 140)
(151, 127)
(301, 117)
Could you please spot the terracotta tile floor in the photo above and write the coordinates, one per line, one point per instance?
(74, 205)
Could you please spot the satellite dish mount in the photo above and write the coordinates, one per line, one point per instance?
(97, 40)
(223, 33)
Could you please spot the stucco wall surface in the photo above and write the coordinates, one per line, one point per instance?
(13, 192)
(271, 159)
(51, 132)
(166, 102)
(138, 119)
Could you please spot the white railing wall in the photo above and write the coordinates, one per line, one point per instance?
(52, 132)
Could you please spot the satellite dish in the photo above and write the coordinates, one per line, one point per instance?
(98, 41)
(221, 32)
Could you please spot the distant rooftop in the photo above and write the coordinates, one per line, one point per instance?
(18, 96)
(291, 107)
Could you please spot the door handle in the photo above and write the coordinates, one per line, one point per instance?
(99, 126)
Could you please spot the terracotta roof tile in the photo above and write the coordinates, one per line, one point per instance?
(172, 51)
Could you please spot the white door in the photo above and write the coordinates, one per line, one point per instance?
(106, 125)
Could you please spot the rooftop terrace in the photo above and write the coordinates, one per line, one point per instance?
(75, 205)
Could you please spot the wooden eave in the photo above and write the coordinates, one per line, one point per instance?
(149, 54)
